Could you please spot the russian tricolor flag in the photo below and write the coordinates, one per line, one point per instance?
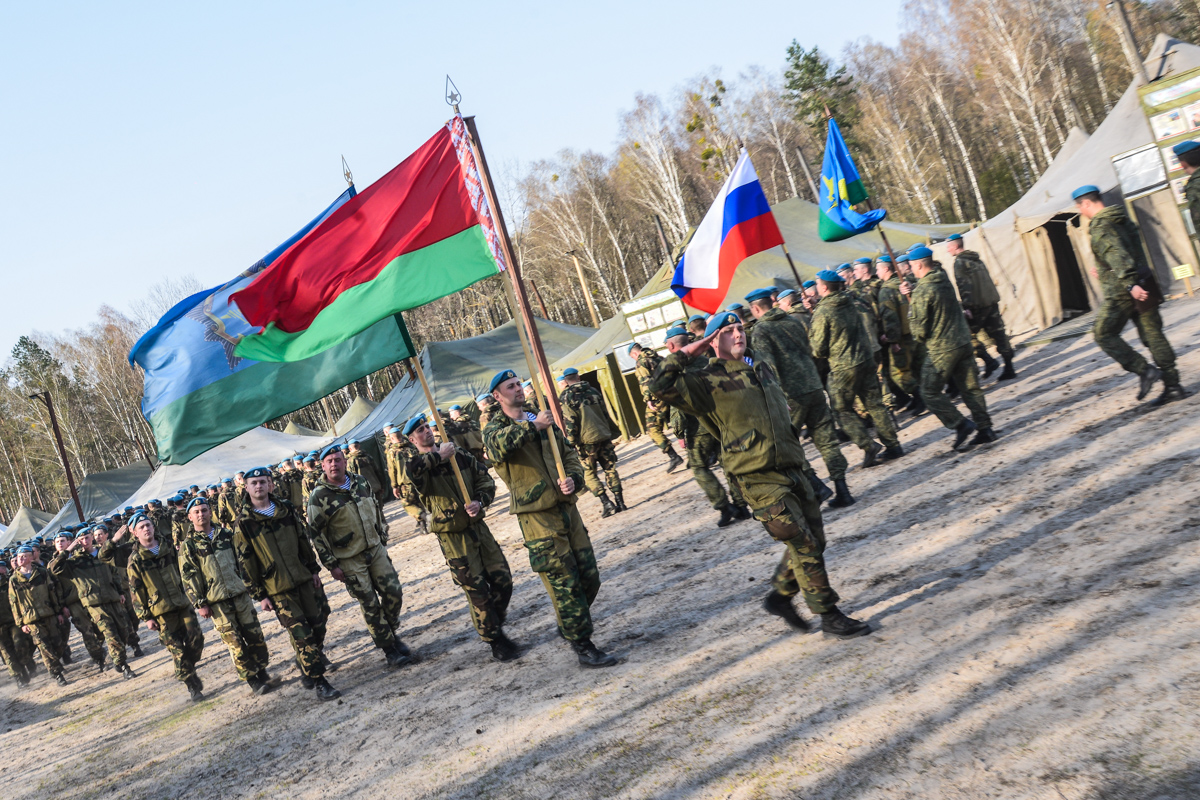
(738, 225)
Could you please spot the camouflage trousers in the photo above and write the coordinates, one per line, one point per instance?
(109, 621)
(703, 451)
(596, 457)
(1111, 320)
(812, 411)
(304, 613)
(47, 639)
(561, 553)
(787, 507)
(372, 581)
(987, 324)
(87, 630)
(180, 633)
(847, 385)
(899, 373)
(13, 649)
(656, 423)
(239, 629)
(958, 366)
(478, 566)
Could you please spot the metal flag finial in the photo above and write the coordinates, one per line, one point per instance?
(453, 96)
(346, 173)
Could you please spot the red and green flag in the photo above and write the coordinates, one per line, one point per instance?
(421, 232)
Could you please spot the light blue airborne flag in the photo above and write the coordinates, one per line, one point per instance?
(841, 189)
(199, 393)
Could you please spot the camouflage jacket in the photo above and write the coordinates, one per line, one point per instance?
(209, 567)
(781, 342)
(523, 460)
(893, 311)
(344, 522)
(439, 492)
(647, 363)
(398, 454)
(6, 613)
(976, 288)
(275, 551)
(1117, 247)
(1191, 192)
(116, 555)
(154, 582)
(34, 598)
(744, 407)
(464, 433)
(94, 581)
(869, 288)
(838, 333)
(66, 587)
(361, 463)
(801, 313)
(936, 317)
(585, 417)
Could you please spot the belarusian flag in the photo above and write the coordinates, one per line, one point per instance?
(421, 232)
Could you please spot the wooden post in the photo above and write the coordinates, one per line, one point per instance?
(662, 238)
(534, 353)
(441, 426)
(62, 451)
(1187, 282)
(792, 264)
(587, 295)
(541, 302)
(812, 185)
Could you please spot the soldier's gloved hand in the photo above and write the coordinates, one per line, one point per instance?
(445, 451)
(204, 612)
(543, 420)
(473, 508)
(566, 486)
(266, 604)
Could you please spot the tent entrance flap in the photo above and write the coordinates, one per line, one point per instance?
(1072, 288)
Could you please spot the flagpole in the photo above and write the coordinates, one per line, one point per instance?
(527, 328)
(441, 426)
(871, 207)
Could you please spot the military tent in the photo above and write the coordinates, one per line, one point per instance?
(25, 524)
(99, 493)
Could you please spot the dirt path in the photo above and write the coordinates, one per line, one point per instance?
(1037, 637)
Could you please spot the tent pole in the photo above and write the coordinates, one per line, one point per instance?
(441, 426)
(587, 294)
(812, 185)
(62, 451)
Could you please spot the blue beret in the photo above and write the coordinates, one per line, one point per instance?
(786, 293)
(633, 345)
(526, 384)
(414, 423)
(720, 320)
(310, 459)
(759, 294)
(63, 534)
(482, 397)
(176, 499)
(195, 501)
(902, 258)
(863, 260)
(920, 252)
(694, 317)
(829, 276)
(499, 378)
(352, 441)
(136, 518)
(455, 407)
(570, 371)
(130, 508)
(1082, 190)
(954, 237)
(885, 259)
(258, 472)
(844, 266)
(678, 330)
(809, 284)
(1185, 147)
(25, 548)
(733, 307)
(332, 447)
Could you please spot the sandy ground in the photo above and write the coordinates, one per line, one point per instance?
(1037, 636)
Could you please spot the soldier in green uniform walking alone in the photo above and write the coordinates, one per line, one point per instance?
(981, 303)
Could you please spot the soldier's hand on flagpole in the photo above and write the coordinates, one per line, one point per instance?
(567, 486)
(543, 420)
(473, 508)
(446, 451)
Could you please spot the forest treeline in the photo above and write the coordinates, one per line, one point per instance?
(952, 124)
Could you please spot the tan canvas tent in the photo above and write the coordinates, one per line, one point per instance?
(25, 525)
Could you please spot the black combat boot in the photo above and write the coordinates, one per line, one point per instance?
(67, 658)
(1169, 393)
(1150, 375)
(727, 517)
(324, 690)
(869, 454)
(607, 505)
(820, 487)
(396, 657)
(892, 452)
(329, 665)
(591, 656)
(265, 679)
(126, 672)
(835, 623)
(100, 665)
(843, 498)
(899, 401)
(984, 436)
(964, 429)
(917, 406)
(504, 649)
(194, 689)
(255, 685)
(780, 606)
(742, 511)
(62, 680)
(137, 651)
(619, 500)
(990, 365)
(675, 461)
(1009, 373)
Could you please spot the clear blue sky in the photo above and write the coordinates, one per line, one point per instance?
(141, 141)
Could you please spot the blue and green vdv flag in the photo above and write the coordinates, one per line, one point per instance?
(841, 190)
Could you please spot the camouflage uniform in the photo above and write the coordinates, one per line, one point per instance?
(591, 431)
(939, 325)
(208, 565)
(977, 292)
(839, 335)
(79, 618)
(308, 482)
(117, 557)
(279, 564)
(893, 314)
(477, 564)
(465, 434)
(158, 595)
(1121, 264)
(747, 409)
(558, 544)
(361, 463)
(656, 417)
(11, 648)
(36, 603)
(100, 595)
(348, 532)
(782, 343)
(397, 454)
